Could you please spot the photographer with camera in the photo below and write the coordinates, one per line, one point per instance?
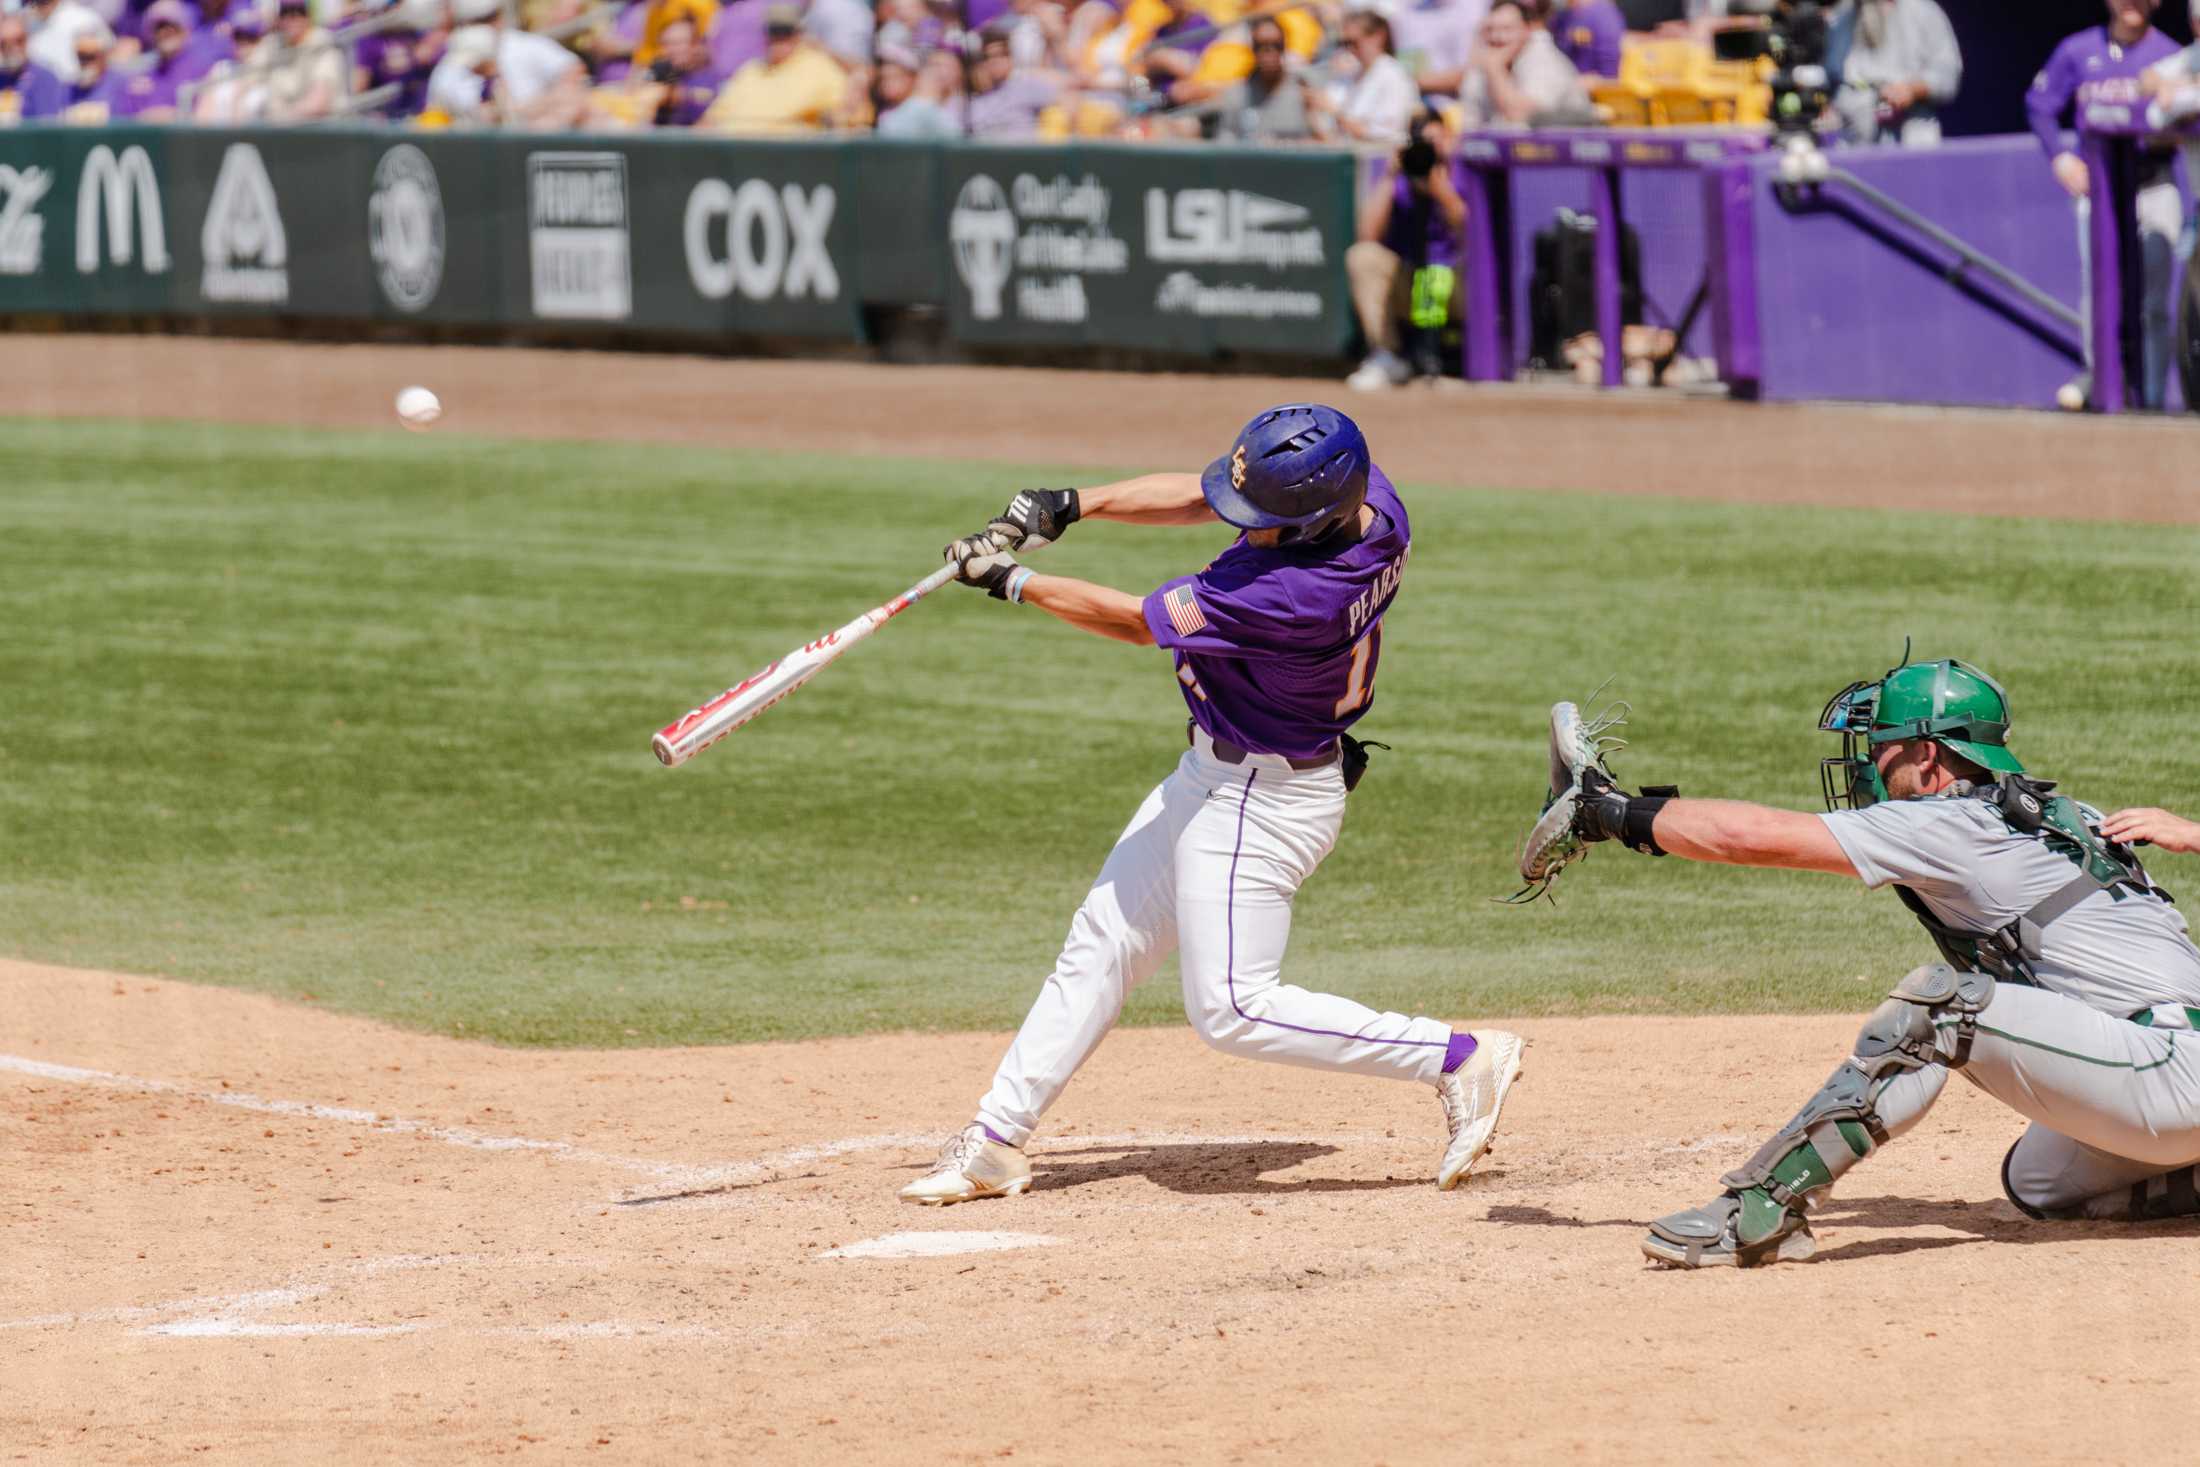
(1404, 269)
(1898, 64)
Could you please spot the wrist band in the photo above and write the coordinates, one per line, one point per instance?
(1014, 590)
(1635, 826)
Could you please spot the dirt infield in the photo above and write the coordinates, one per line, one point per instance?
(241, 1231)
(1557, 439)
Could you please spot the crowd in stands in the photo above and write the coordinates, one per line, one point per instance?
(1354, 72)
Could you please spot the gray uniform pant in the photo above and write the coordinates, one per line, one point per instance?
(2114, 1105)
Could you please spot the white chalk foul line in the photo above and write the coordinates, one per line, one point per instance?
(240, 1315)
(676, 1176)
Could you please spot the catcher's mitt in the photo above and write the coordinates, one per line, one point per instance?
(1579, 748)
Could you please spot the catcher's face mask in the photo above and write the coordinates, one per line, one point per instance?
(1850, 780)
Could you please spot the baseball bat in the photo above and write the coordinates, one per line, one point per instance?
(681, 740)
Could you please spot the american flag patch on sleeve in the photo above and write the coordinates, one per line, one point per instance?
(1184, 612)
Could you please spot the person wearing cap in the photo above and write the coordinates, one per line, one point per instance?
(1378, 104)
(212, 41)
(306, 73)
(92, 99)
(1006, 99)
(54, 28)
(542, 83)
(236, 89)
(917, 98)
(403, 57)
(150, 93)
(28, 91)
(793, 87)
(472, 54)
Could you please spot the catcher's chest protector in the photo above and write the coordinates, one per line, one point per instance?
(2030, 809)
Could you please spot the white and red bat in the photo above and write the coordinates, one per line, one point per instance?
(680, 741)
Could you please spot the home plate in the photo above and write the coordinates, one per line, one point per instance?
(938, 1245)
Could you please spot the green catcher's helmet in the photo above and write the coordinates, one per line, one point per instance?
(1951, 703)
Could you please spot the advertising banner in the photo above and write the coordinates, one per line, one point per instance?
(1192, 250)
(1186, 250)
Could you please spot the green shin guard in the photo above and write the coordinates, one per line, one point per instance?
(1762, 1216)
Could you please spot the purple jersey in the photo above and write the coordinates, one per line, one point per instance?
(1418, 233)
(2089, 66)
(31, 93)
(1276, 649)
(1589, 34)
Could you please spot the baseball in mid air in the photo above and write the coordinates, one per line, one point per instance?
(418, 408)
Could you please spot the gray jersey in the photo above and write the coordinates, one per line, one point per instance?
(2117, 953)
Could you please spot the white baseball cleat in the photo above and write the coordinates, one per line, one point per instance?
(1472, 1095)
(972, 1165)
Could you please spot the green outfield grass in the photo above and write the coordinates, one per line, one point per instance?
(365, 719)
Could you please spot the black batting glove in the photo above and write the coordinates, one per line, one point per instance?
(1607, 812)
(1036, 518)
(983, 561)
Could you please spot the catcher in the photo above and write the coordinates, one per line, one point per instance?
(2068, 987)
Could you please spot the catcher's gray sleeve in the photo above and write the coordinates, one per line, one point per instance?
(1931, 846)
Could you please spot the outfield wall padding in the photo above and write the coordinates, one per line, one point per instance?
(1192, 250)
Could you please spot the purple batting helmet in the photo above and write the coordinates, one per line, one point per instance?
(1300, 468)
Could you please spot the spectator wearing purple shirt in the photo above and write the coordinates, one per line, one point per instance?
(95, 96)
(1008, 99)
(1590, 33)
(1412, 221)
(404, 57)
(28, 91)
(150, 93)
(2108, 62)
(737, 36)
(684, 70)
(213, 41)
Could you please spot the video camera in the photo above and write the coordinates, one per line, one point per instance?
(1795, 35)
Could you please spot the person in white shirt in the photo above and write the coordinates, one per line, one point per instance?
(2173, 90)
(542, 84)
(1381, 100)
(55, 26)
(1435, 40)
(1517, 72)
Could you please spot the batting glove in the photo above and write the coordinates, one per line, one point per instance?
(1036, 518)
(984, 561)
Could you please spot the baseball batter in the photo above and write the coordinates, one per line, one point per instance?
(2069, 988)
(1276, 646)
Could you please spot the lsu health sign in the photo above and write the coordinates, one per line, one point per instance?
(1162, 248)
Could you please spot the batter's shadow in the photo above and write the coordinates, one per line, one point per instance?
(1203, 1169)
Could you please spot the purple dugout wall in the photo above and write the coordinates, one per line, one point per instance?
(1832, 298)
